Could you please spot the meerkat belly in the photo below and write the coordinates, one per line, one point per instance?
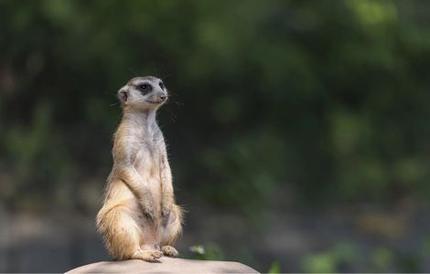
(149, 168)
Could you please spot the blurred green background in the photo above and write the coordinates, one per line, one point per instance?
(298, 131)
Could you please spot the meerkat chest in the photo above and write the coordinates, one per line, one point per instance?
(148, 161)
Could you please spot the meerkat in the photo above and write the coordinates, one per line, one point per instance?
(139, 218)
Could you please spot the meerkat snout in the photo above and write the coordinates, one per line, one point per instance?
(162, 97)
(158, 97)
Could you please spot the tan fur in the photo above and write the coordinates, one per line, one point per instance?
(139, 218)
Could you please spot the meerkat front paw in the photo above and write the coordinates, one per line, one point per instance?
(169, 250)
(148, 255)
(165, 211)
(165, 215)
(148, 210)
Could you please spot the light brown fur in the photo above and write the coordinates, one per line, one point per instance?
(139, 218)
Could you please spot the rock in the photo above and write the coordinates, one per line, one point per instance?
(166, 265)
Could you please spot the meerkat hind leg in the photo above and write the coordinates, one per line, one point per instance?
(121, 233)
(125, 236)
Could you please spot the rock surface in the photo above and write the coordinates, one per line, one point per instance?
(166, 265)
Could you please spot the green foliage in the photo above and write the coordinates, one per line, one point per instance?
(329, 261)
(329, 97)
(210, 251)
(230, 169)
(382, 258)
(275, 268)
(352, 257)
(36, 157)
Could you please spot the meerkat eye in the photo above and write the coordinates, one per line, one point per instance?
(145, 87)
(161, 85)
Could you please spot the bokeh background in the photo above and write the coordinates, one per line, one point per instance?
(298, 131)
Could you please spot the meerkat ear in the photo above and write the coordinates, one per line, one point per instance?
(123, 95)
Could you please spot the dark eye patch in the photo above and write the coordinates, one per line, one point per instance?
(144, 88)
(161, 85)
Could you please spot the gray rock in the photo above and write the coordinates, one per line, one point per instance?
(166, 265)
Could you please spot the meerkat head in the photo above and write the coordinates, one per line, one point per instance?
(143, 93)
